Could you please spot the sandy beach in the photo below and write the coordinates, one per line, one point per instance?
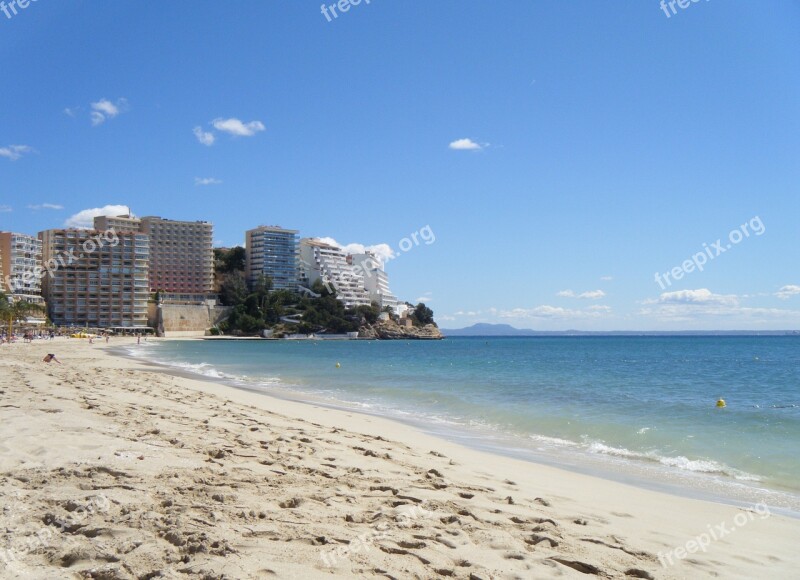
(113, 469)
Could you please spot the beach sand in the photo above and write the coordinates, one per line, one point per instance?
(110, 468)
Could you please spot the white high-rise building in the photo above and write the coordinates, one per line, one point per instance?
(20, 264)
(376, 282)
(272, 251)
(321, 261)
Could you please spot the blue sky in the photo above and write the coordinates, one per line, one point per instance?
(562, 153)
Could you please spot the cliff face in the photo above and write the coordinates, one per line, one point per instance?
(390, 330)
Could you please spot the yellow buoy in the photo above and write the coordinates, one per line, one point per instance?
(720, 403)
(338, 366)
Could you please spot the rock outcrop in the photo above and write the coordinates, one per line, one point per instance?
(390, 330)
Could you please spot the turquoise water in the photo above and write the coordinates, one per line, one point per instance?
(641, 408)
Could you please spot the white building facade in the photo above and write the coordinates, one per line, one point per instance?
(376, 281)
(20, 264)
(329, 264)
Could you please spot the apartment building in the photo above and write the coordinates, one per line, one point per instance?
(272, 251)
(20, 265)
(97, 281)
(120, 223)
(376, 281)
(181, 255)
(328, 263)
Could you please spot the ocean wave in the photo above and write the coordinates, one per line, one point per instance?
(204, 369)
(603, 449)
(553, 440)
(680, 462)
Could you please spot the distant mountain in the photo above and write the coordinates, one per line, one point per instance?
(486, 329)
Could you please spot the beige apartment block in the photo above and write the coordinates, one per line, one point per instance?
(181, 263)
(93, 279)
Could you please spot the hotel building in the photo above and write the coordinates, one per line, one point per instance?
(97, 280)
(119, 223)
(321, 261)
(376, 282)
(272, 251)
(181, 254)
(181, 257)
(20, 265)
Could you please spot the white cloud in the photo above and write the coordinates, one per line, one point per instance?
(84, 219)
(552, 312)
(206, 181)
(382, 251)
(5, 208)
(465, 145)
(555, 312)
(14, 152)
(592, 295)
(70, 112)
(39, 206)
(606, 278)
(204, 137)
(701, 296)
(236, 127)
(424, 299)
(97, 118)
(104, 109)
(787, 292)
(588, 295)
(693, 305)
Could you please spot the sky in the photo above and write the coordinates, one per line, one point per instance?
(550, 165)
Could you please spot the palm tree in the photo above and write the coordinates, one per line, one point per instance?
(16, 311)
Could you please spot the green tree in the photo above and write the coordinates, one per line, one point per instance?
(423, 315)
(12, 311)
(369, 313)
(233, 289)
(229, 260)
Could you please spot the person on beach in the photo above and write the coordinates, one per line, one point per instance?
(50, 358)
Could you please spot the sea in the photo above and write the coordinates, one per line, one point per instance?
(637, 409)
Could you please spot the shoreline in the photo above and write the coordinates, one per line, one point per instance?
(253, 483)
(686, 484)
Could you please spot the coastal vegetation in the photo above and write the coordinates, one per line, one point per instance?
(254, 310)
(16, 311)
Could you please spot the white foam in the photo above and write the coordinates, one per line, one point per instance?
(680, 462)
(553, 440)
(204, 369)
(601, 448)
